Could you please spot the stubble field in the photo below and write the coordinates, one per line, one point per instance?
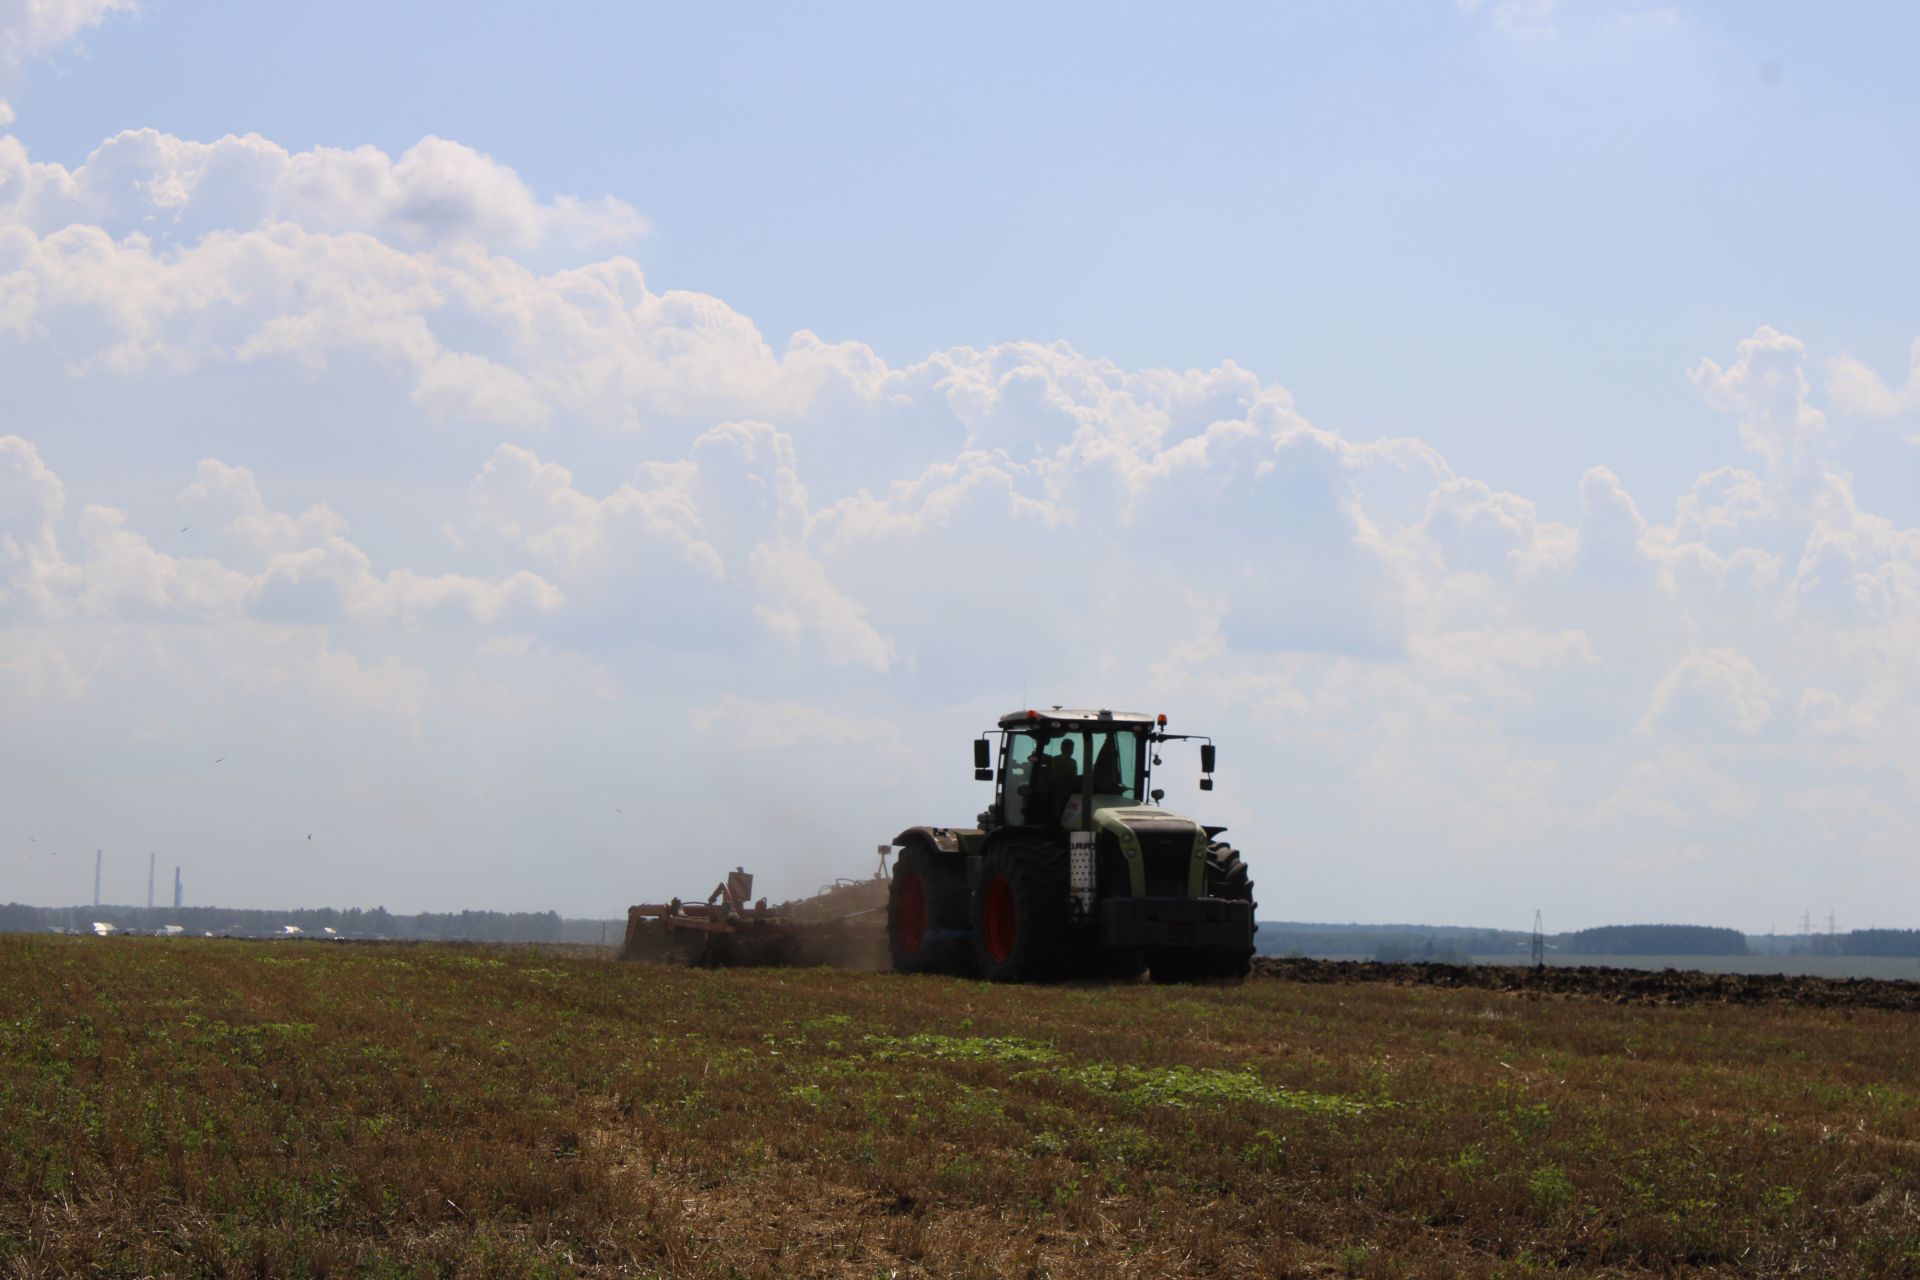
(227, 1108)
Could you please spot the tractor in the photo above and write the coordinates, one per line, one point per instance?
(1074, 869)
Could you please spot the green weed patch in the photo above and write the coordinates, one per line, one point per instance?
(1182, 1086)
(942, 1048)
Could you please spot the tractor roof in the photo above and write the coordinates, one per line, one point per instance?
(1063, 717)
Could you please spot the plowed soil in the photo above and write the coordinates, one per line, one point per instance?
(1617, 986)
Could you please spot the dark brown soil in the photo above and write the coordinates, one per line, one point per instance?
(1618, 986)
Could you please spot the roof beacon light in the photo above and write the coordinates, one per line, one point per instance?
(1162, 718)
(1033, 715)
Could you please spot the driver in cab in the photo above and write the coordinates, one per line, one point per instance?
(1057, 778)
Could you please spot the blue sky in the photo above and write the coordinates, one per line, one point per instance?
(1504, 236)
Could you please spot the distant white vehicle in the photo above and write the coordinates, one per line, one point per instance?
(173, 930)
(101, 928)
(291, 930)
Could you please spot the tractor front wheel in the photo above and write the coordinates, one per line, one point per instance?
(1020, 912)
(1227, 878)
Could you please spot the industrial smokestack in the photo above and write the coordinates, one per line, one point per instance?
(176, 888)
(96, 877)
(151, 859)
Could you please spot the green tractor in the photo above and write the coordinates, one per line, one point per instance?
(1074, 870)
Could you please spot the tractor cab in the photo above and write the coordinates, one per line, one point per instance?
(1056, 768)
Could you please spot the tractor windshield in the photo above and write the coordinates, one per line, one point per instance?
(1043, 775)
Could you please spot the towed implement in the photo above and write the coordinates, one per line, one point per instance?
(844, 924)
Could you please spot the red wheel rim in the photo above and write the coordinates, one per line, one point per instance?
(912, 922)
(1001, 917)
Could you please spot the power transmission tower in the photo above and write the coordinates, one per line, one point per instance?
(1539, 942)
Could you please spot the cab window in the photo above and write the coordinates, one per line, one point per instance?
(1016, 772)
(1116, 764)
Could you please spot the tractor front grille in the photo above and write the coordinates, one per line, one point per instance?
(1168, 858)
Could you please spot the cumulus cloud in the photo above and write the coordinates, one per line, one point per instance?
(732, 508)
(1767, 388)
(1856, 388)
(33, 29)
(175, 191)
(1479, 530)
(1612, 530)
(783, 723)
(479, 336)
(1534, 18)
(1710, 694)
(301, 566)
(536, 504)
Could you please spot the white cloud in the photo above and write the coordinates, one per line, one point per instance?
(1531, 18)
(739, 477)
(172, 190)
(784, 723)
(31, 497)
(296, 567)
(1855, 388)
(1612, 530)
(34, 29)
(1709, 694)
(802, 602)
(479, 336)
(1829, 715)
(1479, 530)
(535, 503)
(1678, 789)
(1767, 388)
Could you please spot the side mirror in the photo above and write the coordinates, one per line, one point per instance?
(982, 757)
(1158, 795)
(1206, 757)
(983, 775)
(1206, 784)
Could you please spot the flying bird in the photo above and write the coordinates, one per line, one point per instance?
(221, 758)
(185, 527)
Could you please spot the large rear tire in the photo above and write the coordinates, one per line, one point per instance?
(1020, 912)
(926, 910)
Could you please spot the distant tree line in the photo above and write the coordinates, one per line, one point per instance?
(1871, 942)
(1388, 942)
(1446, 944)
(1428, 951)
(353, 922)
(1653, 940)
